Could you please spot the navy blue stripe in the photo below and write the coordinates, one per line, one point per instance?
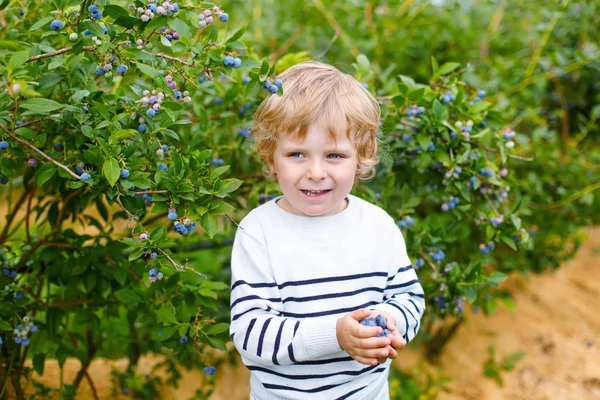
(419, 313)
(254, 285)
(409, 293)
(248, 334)
(262, 336)
(350, 393)
(411, 314)
(329, 361)
(331, 279)
(328, 312)
(311, 376)
(290, 348)
(247, 311)
(331, 295)
(402, 269)
(404, 284)
(314, 390)
(254, 297)
(277, 342)
(405, 318)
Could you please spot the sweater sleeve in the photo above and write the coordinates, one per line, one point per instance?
(403, 294)
(259, 328)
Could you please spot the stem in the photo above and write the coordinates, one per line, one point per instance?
(28, 215)
(81, 11)
(564, 119)
(57, 53)
(509, 155)
(431, 264)
(47, 157)
(167, 57)
(434, 348)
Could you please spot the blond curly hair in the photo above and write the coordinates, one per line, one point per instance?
(319, 93)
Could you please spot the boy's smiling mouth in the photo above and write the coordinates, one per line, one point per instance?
(315, 193)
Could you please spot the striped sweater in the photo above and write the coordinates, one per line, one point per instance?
(293, 277)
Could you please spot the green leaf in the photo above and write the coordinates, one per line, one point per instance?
(146, 70)
(165, 41)
(137, 253)
(41, 106)
(5, 326)
(210, 223)
(166, 316)
(40, 23)
(498, 277)
(217, 328)
(228, 186)
(159, 233)
(121, 135)
(238, 34)
(111, 171)
(92, 26)
(18, 59)
(363, 62)
(221, 208)
(479, 106)
(115, 11)
(448, 67)
(439, 111)
(45, 175)
(127, 296)
(510, 362)
(511, 243)
(217, 172)
(38, 363)
(471, 294)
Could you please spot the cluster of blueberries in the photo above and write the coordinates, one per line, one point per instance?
(230, 61)
(480, 95)
(8, 272)
(415, 111)
(272, 87)
(447, 98)
(147, 14)
(22, 331)
(96, 14)
(450, 204)
(406, 222)
(184, 227)
(497, 221)
(377, 321)
(154, 274)
(438, 255)
(419, 263)
(206, 18)
(487, 248)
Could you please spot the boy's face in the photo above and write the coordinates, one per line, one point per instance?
(315, 174)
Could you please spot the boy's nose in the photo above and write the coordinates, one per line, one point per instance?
(316, 172)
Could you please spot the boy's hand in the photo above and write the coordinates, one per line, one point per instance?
(359, 341)
(397, 341)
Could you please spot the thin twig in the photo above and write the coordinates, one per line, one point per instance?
(167, 57)
(509, 155)
(81, 11)
(57, 53)
(491, 204)
(326, 49)
(180, 267)
(47, 157)
(152, 192)
(431, 264)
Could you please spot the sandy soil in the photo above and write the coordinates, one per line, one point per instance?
(555, 324)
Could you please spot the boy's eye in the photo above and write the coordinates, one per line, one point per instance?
(335, 155)
(295, 155)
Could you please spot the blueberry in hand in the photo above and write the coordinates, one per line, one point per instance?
(381, 321)
(368, 322)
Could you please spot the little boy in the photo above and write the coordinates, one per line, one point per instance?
(308, 266)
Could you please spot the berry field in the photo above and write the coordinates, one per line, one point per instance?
(127, 159)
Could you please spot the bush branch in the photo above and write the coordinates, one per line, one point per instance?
(57, 53)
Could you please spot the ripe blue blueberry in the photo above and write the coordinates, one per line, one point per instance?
(169, 37)
(97, 14)
(237, 63)
(3, 145)
(174, 7)
(1, 341)
(14, 274)
(165, 147)
(217, 161)
(87, 32)
(273, 89)
(93, 8)
(99, 71)
(153, 272)
(481, 93)
(19, 123)
(407, 137)
(228, 61)
(151, 112)
(244, 132)
(124, 173)
(5, 271)
(209, 370)
(79, 169)
(246, 80)
(85, 176)
(431, 147)
(142, 128)
(278, 83)
(224, 17)
(381, 321)
(420, 262)
(121, 69)
(267, 84)
(201, 79)
(172, 215)
(219, 100)
(18, 340)
(368, 322)
(3, 180)
(85, 109)
(384, 333)
(183, 339)
(153, 255)
(177, 95)
(58, 147)
(19, 295)
(57, 25)
(163, 167)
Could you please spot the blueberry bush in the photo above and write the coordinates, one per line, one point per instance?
(125, 160)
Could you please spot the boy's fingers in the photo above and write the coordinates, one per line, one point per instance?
(366, 361)
(398, 342)
(392, 353)
(374, 342)
(360, 314)
(364, 332)
(373, 353)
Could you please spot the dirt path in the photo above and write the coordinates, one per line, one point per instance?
(555, 323)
